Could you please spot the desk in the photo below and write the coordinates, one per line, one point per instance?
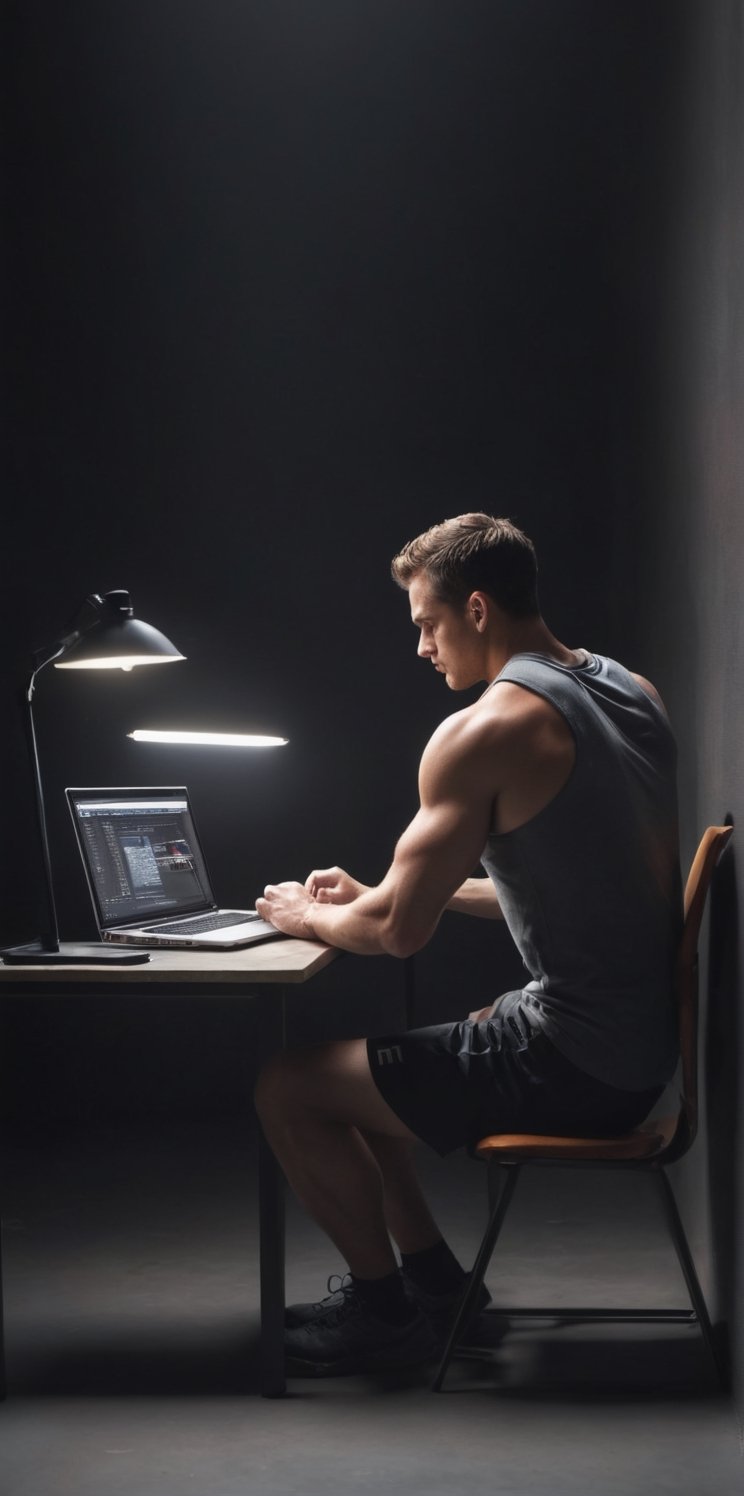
(257, 972)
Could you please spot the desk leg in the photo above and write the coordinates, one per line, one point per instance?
(271, 1230)
(271, 1227)
(3, 1388)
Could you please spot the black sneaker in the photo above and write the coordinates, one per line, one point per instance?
(440, 1308)
(345, 1338)
(299, 1314)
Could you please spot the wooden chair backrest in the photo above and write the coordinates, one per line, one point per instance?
(696, 892)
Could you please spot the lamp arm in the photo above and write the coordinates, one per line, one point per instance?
(111, 610)
(88, 615)
(49, 934)
(43, 657)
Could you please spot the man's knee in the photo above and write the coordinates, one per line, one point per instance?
(303, 1077)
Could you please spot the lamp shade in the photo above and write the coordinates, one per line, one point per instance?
(105, 635)
(120, 647)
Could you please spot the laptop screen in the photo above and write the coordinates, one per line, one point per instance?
(141, 853)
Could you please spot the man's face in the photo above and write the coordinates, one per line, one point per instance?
(448, 638)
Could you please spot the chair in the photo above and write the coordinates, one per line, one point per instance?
(649, 1147)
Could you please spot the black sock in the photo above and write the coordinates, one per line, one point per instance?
(385, 1297)
(435, 1269)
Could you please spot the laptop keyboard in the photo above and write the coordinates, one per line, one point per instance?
(202, 922)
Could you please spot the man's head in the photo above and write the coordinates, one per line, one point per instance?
(472, 588)
(473, 553)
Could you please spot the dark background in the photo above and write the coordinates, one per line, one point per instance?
(289, 284)
(292, 283)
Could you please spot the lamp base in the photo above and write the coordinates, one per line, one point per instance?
(73, 953)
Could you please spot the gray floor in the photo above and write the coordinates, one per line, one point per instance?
(131, 1291)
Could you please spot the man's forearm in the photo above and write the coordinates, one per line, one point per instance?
(365, 928)
(477, 896)
(372, 925)
(362, 927)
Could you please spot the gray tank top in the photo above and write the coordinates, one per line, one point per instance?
(590, 886)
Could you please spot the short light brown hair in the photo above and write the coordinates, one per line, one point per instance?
(474, 553)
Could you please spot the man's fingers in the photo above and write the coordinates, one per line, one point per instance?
(321, 876)
(319, 884)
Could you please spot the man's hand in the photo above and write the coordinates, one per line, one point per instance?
(332, 885)
(477, 896)
(287, 907)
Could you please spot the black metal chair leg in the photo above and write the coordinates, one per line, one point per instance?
(479, 1271)
(495, 1184)
(691, 1278)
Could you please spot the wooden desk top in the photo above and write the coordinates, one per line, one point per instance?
(276, 961)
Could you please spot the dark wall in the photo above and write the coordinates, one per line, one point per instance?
(682, 461)
(290, 284)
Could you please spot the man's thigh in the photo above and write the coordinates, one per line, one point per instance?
(333, 1080)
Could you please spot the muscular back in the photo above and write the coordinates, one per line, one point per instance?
(589, 882)
(533, 750)
(536, 754)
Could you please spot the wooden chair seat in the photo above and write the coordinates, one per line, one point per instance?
(645, 1142)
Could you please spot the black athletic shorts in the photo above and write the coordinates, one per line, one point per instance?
(454, 1083)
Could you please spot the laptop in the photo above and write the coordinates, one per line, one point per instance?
(147, 875)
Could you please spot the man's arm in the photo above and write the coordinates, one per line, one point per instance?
(477, 896)
(431, 862)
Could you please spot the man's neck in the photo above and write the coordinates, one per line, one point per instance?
(526, 636)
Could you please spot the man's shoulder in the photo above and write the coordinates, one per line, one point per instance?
(501, 713)
(650, 689)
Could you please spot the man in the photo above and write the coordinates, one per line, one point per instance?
(560, 779)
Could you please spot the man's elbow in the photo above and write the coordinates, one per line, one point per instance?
(403, 938)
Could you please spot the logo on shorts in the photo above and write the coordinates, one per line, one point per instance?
(389, 1056)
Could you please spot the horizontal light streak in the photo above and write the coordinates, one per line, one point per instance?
(208, 739)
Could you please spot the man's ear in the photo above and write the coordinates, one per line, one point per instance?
(478, 610)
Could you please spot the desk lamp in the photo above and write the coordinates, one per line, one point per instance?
(103, 635)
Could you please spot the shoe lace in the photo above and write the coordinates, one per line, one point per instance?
(338, 1284)
(348, 1304)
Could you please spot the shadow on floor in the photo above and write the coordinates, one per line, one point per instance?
(151, 1358)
